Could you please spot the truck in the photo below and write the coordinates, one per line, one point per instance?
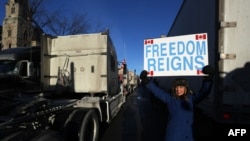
(226, 25)
(133, 80)
(124, 77)
(13, 69)
(77, 92)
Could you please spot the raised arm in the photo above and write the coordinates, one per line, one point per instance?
(206, 86)
(151, 86)
(158, 92)
(203, 92)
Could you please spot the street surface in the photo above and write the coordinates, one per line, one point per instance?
(139, 120)
(143, 118)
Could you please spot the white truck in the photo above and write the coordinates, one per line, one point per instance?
(226, 23)
(80, 90)
(133, 80)
(124, 77)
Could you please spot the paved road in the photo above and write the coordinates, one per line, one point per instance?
(144, 119)
(139, 120)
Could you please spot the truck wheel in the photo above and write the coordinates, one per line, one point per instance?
(89, 130)
(83, 126)
(61, 119)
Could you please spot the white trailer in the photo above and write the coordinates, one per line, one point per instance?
(87, 65)
(133, 80)
(227, 24)
(89, 60)
(80, 90)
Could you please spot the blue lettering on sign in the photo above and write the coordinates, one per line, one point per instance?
(148, 51)
(201, 48)
(163, 49)
(180, 48)
(188, 63)
(172, 48)
(161, 64)
(176, 63)
(155, 50)
(190, 47)
(152, 64)
(171, 56)
(199, 62)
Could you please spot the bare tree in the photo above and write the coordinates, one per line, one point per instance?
(55, 22)
(61, 25)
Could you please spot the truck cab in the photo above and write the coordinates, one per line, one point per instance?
(19, 68)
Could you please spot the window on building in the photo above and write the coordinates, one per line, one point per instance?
(9, 33)
(13, 9)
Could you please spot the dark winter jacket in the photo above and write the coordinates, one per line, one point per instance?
(180, 121)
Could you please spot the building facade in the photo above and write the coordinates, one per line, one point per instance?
(17, 29)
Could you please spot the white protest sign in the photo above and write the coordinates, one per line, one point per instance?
(176, 56)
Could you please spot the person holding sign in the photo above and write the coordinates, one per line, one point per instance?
(180, 104)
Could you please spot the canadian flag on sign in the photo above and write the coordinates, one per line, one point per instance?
(199, 72)
(201, 37)
(150, 41)
(151, 73)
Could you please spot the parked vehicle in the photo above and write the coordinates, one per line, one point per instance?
(133, 80)
(124, 78)
(14, 69)
(226, 24)
(79, 90)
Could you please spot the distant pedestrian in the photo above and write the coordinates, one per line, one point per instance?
(180, 104)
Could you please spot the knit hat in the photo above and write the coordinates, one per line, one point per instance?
(180, 82)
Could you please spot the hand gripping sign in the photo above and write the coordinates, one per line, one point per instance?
(176, 56)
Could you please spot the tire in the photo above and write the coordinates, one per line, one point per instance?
(90, 127)
(61, 119)
(83, 126)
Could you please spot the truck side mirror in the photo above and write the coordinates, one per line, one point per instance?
(25, 68)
